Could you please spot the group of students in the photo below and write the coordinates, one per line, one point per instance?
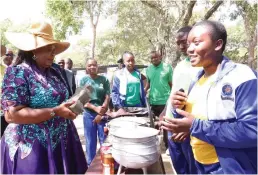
(210, 113)
(127, 91)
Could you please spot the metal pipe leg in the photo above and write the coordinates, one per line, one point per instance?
(119, 169)
(144, 170)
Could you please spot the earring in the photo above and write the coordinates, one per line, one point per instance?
(34, 57)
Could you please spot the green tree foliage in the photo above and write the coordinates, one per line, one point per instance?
(65, 18)
(248, 12)
(79, 52)
(143, 24)
(236, 43)
(8, 26)
(93, 8)
(129, 34)
(4, 25)
(70, 16)
(177, 14)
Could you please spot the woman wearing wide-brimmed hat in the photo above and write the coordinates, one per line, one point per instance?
(41, 137)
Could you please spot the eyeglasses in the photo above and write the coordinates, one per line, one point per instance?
(9, 55)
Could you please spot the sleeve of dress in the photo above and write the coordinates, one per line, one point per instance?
(15, 89)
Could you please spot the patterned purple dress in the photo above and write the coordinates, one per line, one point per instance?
(50, 147)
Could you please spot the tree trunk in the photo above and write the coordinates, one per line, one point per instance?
(212, 10)
(252, 39)
(94, 34)
(94, 13)
(250, 59)
(188, 13)
(154, 5)
(251, 49)
(94, 28)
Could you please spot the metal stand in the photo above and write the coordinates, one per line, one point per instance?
(151, 116)
(120, 168)
(144, 170)
(160, 161)
(162, 165)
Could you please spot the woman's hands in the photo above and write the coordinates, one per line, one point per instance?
(63, 110)
(22, 114)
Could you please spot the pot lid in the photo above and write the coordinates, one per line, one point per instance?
(137, 132)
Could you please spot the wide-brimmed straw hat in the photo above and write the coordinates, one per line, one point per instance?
(39, 35)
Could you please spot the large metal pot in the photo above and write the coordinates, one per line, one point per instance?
(136, 148)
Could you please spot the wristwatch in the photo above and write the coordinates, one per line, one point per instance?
(52, 113)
